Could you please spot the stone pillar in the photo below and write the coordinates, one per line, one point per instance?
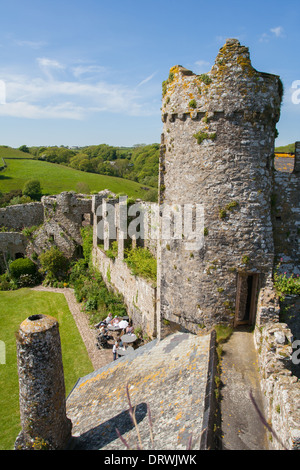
(41, 386)
(106, 227)
(297, 158)
(121, 222)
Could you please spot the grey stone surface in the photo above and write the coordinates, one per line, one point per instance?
(22, 215)
(169, 377)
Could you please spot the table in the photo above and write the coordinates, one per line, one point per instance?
(115, 331)
(129, 338)
(124, 352)
(114, 328)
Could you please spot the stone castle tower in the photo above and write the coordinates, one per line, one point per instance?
(217, 152)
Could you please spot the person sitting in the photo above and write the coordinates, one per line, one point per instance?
(108, 319)
(129, 328)
(115, 322)
(103, 329)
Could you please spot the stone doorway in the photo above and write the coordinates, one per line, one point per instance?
(246, 298)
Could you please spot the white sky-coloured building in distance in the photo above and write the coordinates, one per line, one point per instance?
(76, 74)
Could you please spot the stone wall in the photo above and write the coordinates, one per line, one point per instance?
(286, 217)
(280, 388)
(217, 147)
(22, 215)
(139, 294)
(12, 245)
(64, 215)
(58, 220)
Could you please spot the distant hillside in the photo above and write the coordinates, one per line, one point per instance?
(290, 148)
(55, 178)
(138, 163)
(9, 152)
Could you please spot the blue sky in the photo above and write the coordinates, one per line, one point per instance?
(90, 72)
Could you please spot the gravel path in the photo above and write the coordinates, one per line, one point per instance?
(99, 358)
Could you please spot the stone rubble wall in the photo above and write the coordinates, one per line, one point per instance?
(286, 217)
(280, 388)
(63, 215)
(22, 215)
(11, 243)
(58, 220)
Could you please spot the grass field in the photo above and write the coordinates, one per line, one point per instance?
(56, 178)
(16, 306)
(9, 152)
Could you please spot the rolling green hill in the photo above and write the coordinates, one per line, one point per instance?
(9, 152)
(290, 148)
(55, 178)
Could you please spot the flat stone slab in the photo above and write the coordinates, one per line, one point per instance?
(167, 377)
(242, 428)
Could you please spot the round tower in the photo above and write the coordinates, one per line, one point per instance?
(41, 386)
(217, 154)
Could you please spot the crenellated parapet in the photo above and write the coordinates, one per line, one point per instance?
(232, 86)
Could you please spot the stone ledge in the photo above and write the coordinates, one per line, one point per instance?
(172, 377)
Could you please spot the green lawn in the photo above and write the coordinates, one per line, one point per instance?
(56, 178)
(16, 306)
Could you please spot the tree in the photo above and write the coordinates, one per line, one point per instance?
(54, 264)
(24, 148)
(32, 188)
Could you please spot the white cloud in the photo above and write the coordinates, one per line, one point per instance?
(49, 97)
(277, 32)
(88, 70)
(44, 62)
(32, 44)
(147, 79)
(22, 109)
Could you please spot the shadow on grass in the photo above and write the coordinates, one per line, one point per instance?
(4, 177)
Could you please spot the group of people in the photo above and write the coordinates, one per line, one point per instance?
(104, 332)
(109, 320)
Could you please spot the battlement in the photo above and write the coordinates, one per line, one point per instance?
(231, 86)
